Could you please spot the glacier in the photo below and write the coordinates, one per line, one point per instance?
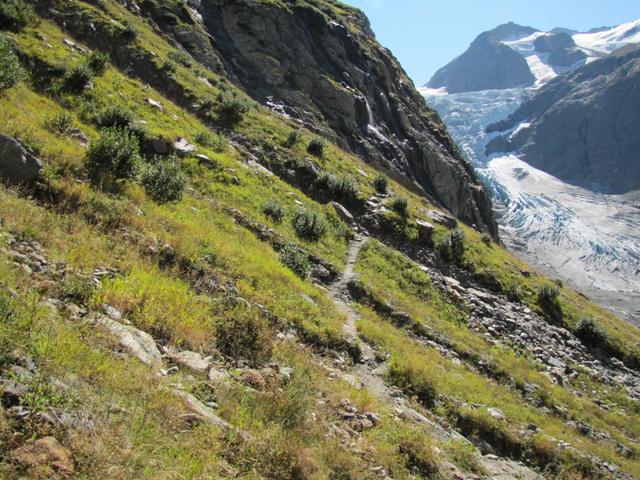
(589, 240)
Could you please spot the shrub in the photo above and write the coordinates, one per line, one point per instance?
(296, 260)
(113, 116)
(60, 123)
(232, 110)
(316, 147)
(411, 378)
(129, 33)
(548, 302)
(486, 238)
(242, 333)
(163, 181)
(218, 143)
(590, 333)
(400, 205)
(97, 62)
(168, 67)
(457, 244)
(310, 226)
(16, 14)
(339, 188)
(513, 292)
(181, 57)
(381, 183)
(274, 211)
(11, 71)
(294, 137)
(418, 455)
(77, 78)
(75, 289)
(116, 154)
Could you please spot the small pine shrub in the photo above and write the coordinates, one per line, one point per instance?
(97, 62)
(11, 71)
(293, 139)
(77, 78)
(75, 289)
(317, 147)
(418, 455)
(232, 110)
(381, 183)
(113, 116)
(168, 67)
(60, 123)
(457, 244)
(513, 292)
(296, 260)
(400, 205)
(115, 155)
(274, 211)
(218, 143)
(590, 333)
(338, 188)
(163, 181)
(310, 226)
(242, 333)
(549, 303)
(129, 33)
(486, 238)
(181, 57)
(16, 14)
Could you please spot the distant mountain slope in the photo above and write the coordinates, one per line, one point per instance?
(583, 127)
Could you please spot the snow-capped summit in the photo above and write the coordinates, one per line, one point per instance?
(606, 41)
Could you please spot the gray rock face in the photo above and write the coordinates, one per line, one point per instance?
(561, 48)
(339, 81)
(17, 164)
(488, 64)
(584, 125)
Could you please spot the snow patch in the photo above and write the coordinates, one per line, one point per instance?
(607, 41)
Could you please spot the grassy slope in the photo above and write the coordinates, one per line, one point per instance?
(89, 228)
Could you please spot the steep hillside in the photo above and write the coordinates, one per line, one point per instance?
(194, 286)
(581, 127)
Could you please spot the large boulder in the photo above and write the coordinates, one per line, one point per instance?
(17, 164)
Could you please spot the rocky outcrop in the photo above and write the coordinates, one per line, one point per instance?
(562, 50)
(583, 125)
(17, 164)
(323, 66)
(488, 64)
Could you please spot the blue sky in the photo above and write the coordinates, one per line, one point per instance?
(426, 34)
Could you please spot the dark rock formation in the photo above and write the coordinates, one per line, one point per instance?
(17, 164)
(488, 64)
(323, 65)
(584, 125)
(561, 48)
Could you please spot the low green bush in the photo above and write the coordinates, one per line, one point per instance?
(400, 205)
(419, 456)
(97, 61)
(296, 260)
(548, 301)
(451, 246)
(16, 14)
(293, 139)
(163, 180)
(273, 210)
(231, 110)
(340, 188)
(60, 123)
(381, 183)
(317, 147)
(11, 71)
(310, 226)
(590, 333)
(244, 334)
(75, 288)
(183, 58)
(77, 78)
(115, 155)
(113, 116)
(218, 143)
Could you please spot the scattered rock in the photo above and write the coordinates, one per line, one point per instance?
(191, 360)
(253, 378)
(17, 164)
(44, 458)
(155, 104)
(183, 147)
(343, 213)
(79, 135)
(496, 413)
(136, 342)
(441, 218)
(10, 392)
(205, 161)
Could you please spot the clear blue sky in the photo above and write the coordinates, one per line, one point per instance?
(426, 34)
